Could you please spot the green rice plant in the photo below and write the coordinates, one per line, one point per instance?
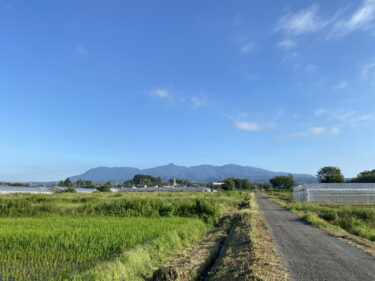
(56, 248)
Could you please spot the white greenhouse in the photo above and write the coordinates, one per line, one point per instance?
(335, 192)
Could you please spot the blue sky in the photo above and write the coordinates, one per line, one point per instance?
(281, 85)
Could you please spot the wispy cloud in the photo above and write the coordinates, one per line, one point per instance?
(317, 131)
(361, 19)
(251, 126)
(162, 93)
(247, 126)
(248, 48)
(348, 117)
(286, 44)
(341, 23)
(177, 97)
(341, 85)
(367, 71)
(294, 59)
(302, 22)
(81, 50)
(310, 68)
(198, 102)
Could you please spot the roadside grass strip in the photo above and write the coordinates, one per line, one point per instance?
(352, 222)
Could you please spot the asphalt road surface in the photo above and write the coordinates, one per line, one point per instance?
(309, 253)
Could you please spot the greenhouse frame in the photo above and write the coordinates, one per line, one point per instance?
(335, 193)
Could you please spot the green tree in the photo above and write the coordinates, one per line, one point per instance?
(229, 184)
(70, 189)
(66, 183)
(105, 187)
(266, 186)
(365, 177)
(282, 182)
(330, 175)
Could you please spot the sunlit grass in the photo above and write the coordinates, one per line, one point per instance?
(55, 248)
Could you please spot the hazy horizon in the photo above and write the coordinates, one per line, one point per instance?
(283, 86)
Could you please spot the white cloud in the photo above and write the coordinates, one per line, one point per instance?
(248, 48)
(81, 50)
(247, 126)
(198, 102)
(302, 22)
(162, 93)
(251, 126)
(350, 117)
(295, 60)
(319, 112)
(317, 131)
(177, 97)
(368, 71)
(361, 19)
(286, 44)
(342, 85)
(311, 68)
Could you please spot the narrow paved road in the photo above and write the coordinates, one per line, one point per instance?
(310, 253)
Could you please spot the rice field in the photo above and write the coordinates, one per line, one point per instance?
(100, 236)
(54, 248)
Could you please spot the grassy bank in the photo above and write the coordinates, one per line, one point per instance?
(357, 219)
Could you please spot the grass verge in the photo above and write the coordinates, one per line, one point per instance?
(354, 223)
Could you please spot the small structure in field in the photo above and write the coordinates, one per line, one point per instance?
(335, 192)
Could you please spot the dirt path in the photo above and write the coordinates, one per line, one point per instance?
(310, 253)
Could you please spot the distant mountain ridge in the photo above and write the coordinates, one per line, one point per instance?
(201, 173)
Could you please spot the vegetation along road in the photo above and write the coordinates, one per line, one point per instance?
(311, 254)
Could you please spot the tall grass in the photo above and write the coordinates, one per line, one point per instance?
(206, 206)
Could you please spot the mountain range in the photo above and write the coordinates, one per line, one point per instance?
(201, 173)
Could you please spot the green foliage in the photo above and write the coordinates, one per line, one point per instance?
(70, 189)
(13, 184)
(105, 187)
(206, 206)
(92, 236)
(266, 186)
(57, 248)
(229, 184)
(330, 175)
(66, 183)
(282, 182)
(365, 177)
(357, 219)
(84, 184)
(237, 183)
(146, 180)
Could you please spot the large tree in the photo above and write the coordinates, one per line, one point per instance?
(365, 176)
(66, 183)
(229, 184)
(330, 175)
(282, 182)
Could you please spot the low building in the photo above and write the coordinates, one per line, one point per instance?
(335, 193)
(217, 185)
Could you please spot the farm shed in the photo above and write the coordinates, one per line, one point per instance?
(335, 192)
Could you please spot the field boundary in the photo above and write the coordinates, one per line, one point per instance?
(248, 252)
